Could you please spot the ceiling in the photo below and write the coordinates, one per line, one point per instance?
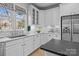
(44, 6)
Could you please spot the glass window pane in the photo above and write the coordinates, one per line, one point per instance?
(5, 20)
(20, 17)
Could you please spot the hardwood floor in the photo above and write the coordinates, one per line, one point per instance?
(38, 52)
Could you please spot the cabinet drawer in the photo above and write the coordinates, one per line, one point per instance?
(27, 52)
(28, 46)
(14, 42)
(28, 38)
(28, 41)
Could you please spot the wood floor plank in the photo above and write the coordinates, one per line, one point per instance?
(38, 52)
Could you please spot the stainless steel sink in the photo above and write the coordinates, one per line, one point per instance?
(16, 36)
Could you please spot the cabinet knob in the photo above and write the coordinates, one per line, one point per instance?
(49, 35)
(23, 44)
(37, 36)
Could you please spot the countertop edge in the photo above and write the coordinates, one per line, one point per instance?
(61, 54)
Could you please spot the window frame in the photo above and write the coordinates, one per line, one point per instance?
(25, 18)
(10, 10)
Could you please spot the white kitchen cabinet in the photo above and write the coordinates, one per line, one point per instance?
(47, 17)
(28, 45)
(37, 41)
(14, 49)
(43, 38)
(19, 47)
(50, 36)
(69, 9)
(22, 46)
(33, 15)
(46, 37)
(66, 9)
(42, 17)
(52, 16)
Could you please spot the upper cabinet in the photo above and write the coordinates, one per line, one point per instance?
(42, 17)
(33, 15)
(49, 17)
(69, 8)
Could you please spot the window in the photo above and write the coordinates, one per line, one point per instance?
(5, 19)
(20, 17)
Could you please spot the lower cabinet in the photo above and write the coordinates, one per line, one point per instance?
(20, 47)
(28, 45)
(37, 41)
(31, 43)
(43, 38)
(50, 36)
(14, 49)
(46, 37)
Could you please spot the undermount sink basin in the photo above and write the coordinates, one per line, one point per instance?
(17, 36)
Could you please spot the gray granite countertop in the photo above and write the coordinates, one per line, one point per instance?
(62, 47)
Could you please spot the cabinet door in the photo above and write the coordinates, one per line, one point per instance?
(44, 38)
(52, 16)
(69, 8)
(34, 14)
(37, 42)
(50, 36)
(15, 49)
(66, 9)
(47, 17)
(37, 17)
(76, 8)
(28, 47)
(42, 17)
